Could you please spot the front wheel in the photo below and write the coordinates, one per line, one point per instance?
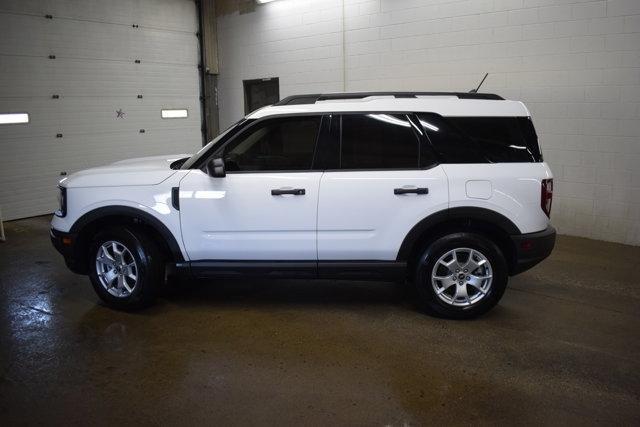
(460, 276)
(125, 268)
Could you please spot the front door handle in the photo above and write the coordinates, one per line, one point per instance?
(293, 191)
(410, 190)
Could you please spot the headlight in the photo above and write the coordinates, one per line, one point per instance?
(62, 202)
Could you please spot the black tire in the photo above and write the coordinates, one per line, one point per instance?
(149, 262)
(429, 301)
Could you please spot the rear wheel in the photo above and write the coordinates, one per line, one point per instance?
(126, 268)
(461, 275)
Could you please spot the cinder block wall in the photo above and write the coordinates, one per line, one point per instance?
(575, 63)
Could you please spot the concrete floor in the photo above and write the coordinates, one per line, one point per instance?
(562, 347)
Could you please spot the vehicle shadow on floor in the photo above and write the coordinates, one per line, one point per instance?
(257, 292)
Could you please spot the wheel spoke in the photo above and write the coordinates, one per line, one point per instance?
(106, 261)
(461, 292)
(477, 286)
(109, 277)
(120, 281)
(471, 264)
(126, 285)
(452, 265)
(445, 286)
(107, 255)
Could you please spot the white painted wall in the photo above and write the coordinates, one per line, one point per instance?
(575, 63)
(94, 74)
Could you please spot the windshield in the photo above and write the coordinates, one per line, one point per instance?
(207, 148)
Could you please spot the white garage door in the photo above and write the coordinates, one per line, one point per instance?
(93, 75)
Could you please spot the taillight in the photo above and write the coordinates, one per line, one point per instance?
(546, 196)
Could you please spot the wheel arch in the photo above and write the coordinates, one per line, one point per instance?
(486, 222)
(88, 224)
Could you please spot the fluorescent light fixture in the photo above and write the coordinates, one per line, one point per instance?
(174, 113)
(13, 118)
(263, 1)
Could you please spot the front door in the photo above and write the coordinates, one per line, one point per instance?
(266, 206)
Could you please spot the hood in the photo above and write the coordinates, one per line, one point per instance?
(140, 171)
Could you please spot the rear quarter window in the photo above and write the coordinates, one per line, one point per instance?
(482, 139)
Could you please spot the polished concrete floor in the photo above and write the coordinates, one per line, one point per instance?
(562, 347)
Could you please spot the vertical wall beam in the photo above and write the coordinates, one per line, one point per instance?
(208, 39)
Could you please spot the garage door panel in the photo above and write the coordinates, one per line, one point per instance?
(66, 38)
(27, 76)
(175, 15)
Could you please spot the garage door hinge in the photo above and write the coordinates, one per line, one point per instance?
(137, 61)
(58, 135)
(139, 96)
(135, 26)
(52, 57)
(48, 16)
(55, 96)
(142, 131)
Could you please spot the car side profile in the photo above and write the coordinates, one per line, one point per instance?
(447, 190)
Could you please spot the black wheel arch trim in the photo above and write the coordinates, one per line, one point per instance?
(460, 213)
(135, 214)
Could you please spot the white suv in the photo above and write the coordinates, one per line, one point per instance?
(448, 190)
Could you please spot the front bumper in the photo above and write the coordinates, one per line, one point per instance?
(65, 244)
(532, 248)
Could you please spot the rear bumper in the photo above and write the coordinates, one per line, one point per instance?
(532, 248)
(65, 244)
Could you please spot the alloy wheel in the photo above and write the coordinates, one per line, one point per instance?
(117, 269)
(462, 277)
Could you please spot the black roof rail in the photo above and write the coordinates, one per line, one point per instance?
(313, 98)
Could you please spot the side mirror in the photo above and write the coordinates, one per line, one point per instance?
(215, 168)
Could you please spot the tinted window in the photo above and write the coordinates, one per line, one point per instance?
(274, 145)
(378, 141)
(482, 139)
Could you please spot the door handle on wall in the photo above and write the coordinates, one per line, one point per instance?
(408, 190)
(283, 191)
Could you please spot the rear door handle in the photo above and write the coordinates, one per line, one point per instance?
(293, 191)
(408, 190)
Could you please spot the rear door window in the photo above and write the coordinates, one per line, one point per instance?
(378, 141)
(482, 139)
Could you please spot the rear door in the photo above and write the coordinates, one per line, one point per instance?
(385, 182)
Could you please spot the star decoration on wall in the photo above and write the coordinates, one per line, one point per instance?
(119, 114)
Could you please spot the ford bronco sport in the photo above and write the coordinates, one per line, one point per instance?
(448, 190)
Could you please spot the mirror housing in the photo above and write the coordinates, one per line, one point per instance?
(215, 168)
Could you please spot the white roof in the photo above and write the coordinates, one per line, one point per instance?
(443, 105)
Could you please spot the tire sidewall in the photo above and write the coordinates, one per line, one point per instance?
(427, 296)
(144, 286)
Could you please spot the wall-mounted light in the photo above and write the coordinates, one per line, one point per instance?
(13, 118)
(175, 113)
